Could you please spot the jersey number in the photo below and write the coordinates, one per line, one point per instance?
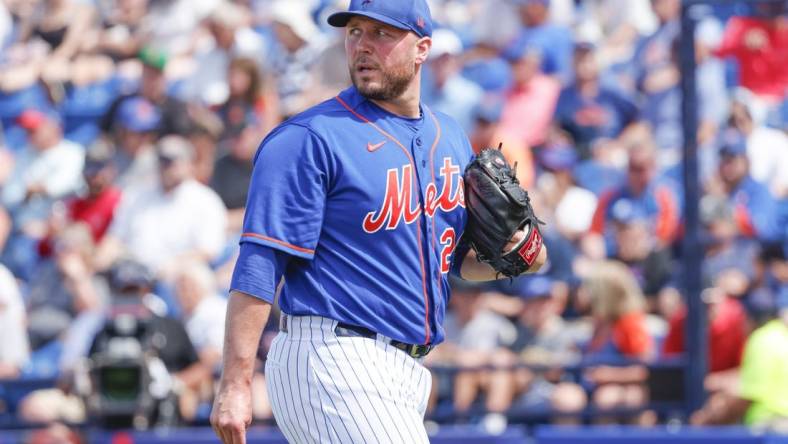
(448, 240)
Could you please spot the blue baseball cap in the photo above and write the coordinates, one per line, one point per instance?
(528, 287)
(410, 15)
(732, 143)
(626, 211)
(559, 157)
(138, 115)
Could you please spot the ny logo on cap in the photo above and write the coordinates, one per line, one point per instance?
(420, 22)
(366, 3)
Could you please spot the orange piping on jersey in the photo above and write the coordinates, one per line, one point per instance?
(668, 215)
(418, 221)
(278, 242)
(432, 170)
(598, 220)
(742, 217)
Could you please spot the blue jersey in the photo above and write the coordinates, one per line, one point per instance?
(371, 207)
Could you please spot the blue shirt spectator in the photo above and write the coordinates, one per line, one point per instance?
(588, 109)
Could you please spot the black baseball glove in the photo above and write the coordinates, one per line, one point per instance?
(497, 208)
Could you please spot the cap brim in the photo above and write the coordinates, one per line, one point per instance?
(340, 19)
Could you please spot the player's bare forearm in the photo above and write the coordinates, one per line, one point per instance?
(246, 317)
(232, 407)
(473, 270)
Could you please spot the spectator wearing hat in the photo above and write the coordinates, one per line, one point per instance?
(653, 196)
(48, 169)
(759, 398)
(547, 342)
(136, 130)
(755, 209)
(445, 88)
(166, 222)
(487, 132)
(589, 110)
(175, 116)
(95, 204)
(475, 336)
(298, 59)
(530, 102)
(553, 41)
(573, 206)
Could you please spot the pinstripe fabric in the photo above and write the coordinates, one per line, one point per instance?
(325, 388)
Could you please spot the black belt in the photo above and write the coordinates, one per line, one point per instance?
(342, 329)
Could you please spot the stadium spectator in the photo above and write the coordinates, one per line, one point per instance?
(63, 288)
(488, 132)
(755, 209)
(62, 24)
(14, 345)
(530, 102)
(620, 334)
(588, 109)
(48, 169)
(767, 148)
(118, 36)
(133, 136)
(547, 342)
(249, 92)
(301, 45)
(447, 90)
(759, 46)
(203, 314)
(232, 171)
(553, 41)
(645, 191)
(572, 206)
(175, 116)
(637, 247)
(232, 37)
(475, 337)
(762, 390)
(164, 223)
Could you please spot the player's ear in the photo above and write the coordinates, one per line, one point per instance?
(423, 46)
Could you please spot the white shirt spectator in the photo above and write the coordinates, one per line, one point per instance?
(14, 346)
(206, 325)
(58, 169)
(767, 149)
(156, 227)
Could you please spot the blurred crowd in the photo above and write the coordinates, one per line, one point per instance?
(128, 129)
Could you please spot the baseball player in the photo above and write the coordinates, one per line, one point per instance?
(359, 204)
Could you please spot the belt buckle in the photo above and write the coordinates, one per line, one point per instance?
(419, 351)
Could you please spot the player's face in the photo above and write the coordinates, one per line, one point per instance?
(382, 59)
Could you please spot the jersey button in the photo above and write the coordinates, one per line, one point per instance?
(418, 141)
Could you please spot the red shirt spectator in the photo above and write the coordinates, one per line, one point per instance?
(761, 48)
(726, 334)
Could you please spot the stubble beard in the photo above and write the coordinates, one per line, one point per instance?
(393, 84)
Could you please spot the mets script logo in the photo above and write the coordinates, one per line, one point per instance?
(399, 203)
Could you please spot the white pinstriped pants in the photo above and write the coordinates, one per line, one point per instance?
(329, 389)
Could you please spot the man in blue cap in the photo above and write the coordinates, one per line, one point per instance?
(358, 203)
(755, 209)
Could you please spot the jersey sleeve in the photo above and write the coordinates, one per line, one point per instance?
(258, 271)
(291, 178)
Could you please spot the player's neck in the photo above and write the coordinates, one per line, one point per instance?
(407, 104)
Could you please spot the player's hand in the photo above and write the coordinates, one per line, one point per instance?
(232, 414)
